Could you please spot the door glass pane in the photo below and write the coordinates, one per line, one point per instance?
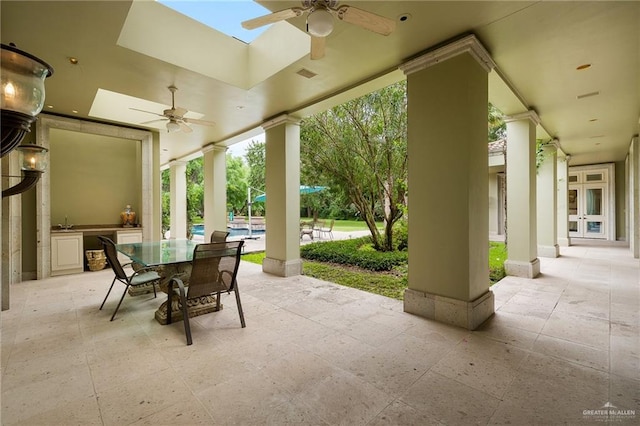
(594, 201)
(573, 201)
(573, 226)
(594, 177)
(594, 227)
(573, 178)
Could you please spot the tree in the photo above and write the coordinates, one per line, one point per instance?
(236, 183)
(255, 155)
(360, 148)
(497, 126)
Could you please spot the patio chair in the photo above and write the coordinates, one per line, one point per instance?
(139, 277)
(219, 236)
(324, 230)
(214, 270)
(306, 228)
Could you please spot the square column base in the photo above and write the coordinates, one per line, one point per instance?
(549, 251)
(469, 315)
(282, 268)
(564, 242)
(515, 268)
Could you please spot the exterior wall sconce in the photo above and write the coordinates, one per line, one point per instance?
(33, 162)
(22, 78)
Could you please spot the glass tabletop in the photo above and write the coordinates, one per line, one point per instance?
(155, 253)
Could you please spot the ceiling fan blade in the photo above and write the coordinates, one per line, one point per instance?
(272, 18)
(197, 121)
(317, 47)
(148, 112)
(184, 127)
(155, 121)
(178, 112)
(367, 20)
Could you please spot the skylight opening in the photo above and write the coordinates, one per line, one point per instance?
(222, 15)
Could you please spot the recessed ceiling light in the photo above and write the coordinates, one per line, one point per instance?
(404, 17)
(596, 136)
(597, 143)
(583, 67)
(73, 61)
(240, 107)
(165, 149)
(49, 106)
(593, 119)
(74, 111)
(587, 95)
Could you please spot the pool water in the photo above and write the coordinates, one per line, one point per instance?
(233, 232)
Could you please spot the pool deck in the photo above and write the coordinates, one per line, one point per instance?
(258, 242)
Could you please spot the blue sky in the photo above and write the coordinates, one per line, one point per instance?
(223, 15)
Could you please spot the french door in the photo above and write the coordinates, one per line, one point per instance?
(587, 210)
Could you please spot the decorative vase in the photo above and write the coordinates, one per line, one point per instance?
(128, 217)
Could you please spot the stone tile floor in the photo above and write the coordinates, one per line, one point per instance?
(315, 353)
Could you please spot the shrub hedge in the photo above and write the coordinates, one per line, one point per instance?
(356, 252)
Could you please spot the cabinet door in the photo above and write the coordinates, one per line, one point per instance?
(127, 237)
(67, 254)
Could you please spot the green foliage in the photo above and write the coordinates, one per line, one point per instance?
(347, 252)
(237, 181)
(360, 150)
(401, 235)
(497, 126)
(386, 284)
(497, 257)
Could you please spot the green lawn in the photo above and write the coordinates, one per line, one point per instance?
(347, 225)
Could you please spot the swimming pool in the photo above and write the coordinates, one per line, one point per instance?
(233, 232)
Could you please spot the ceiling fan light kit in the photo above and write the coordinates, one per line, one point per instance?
(172, 126)
(320, 21)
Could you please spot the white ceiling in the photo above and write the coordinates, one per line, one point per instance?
(131, 52)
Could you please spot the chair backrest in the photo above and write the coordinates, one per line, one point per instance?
(215, 266)
(219, 236)
(112, 257)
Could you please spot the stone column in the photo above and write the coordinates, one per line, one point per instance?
(178, 194)
(546, 203)
(11, 230)
(215, 189)
(282, 157)
(563, 200)
(521, 196)
(634, 197)
(448, 169)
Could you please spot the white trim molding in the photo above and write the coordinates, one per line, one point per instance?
(281, 119)
(468, 44)
(527, 115)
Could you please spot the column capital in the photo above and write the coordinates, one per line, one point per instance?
(527, 115)
(176, 163)
(468, 44)
(278, 120)
(214, 147)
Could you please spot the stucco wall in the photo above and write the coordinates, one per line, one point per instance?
(93, 177)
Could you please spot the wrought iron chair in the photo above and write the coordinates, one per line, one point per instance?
(324, 230)
(219, 236)
(139, 277)
(214, 270)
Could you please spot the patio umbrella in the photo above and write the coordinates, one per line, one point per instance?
(304, 189)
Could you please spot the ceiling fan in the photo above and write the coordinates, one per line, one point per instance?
(320, 21)
(175, 116)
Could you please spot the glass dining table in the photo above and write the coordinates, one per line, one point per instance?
(169, 258)
(159, 253)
